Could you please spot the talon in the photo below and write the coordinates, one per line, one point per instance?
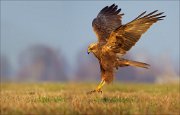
(100, 91)
(93, 91)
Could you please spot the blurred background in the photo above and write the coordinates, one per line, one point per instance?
(48, 40)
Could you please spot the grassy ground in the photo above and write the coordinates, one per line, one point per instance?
(71, 98)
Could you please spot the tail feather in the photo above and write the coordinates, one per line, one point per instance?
(133, 63)
(138, 64)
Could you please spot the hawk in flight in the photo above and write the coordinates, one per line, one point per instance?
(115, 39)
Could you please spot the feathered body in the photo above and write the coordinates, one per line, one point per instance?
(115, 39)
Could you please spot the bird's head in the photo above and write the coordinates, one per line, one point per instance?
(92, 47)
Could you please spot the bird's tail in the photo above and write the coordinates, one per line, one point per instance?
(133, 63)
(138, 64)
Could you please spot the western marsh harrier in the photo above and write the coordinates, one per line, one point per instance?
(115, 39)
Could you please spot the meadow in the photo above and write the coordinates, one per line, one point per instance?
(71, 99)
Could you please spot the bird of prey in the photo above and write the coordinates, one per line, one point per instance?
(115, 39)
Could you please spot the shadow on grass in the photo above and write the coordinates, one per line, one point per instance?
(114, 100)
(49, 99)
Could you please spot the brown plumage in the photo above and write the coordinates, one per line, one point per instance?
(115, 39)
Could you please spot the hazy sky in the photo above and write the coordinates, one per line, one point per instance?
(67, 26)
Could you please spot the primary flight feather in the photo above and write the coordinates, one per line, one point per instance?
(115, 39)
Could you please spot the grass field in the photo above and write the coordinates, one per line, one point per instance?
(71, 98)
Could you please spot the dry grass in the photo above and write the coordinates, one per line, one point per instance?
(71, 98)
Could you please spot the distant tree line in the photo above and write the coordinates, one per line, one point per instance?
(43, 63)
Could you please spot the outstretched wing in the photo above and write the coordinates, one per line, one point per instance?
(106, 21)
(126, 36)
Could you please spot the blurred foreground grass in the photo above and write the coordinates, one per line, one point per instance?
(71, 98)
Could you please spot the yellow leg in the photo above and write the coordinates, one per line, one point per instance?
(100, 85)
(98, 89)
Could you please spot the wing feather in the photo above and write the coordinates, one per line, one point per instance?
(126, 36)
(106, 21)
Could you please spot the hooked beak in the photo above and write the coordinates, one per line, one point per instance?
(88, 52)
